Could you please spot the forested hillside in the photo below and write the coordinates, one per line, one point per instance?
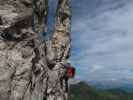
(83, 91)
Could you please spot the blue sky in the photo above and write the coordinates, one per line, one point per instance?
(102, 37)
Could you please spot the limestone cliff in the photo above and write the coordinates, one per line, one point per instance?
(30, 67)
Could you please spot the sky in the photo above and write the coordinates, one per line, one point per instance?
(102, 37)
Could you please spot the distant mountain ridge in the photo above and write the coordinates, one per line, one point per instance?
(82, 91)
(109, 86)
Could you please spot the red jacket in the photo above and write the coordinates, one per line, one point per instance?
(70, 71)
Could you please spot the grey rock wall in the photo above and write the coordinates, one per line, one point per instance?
(32, 68)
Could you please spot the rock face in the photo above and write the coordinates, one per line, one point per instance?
(30, 67)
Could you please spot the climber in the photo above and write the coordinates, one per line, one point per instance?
(70, 71)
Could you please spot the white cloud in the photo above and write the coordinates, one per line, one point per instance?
(96, 68)
(105, 40)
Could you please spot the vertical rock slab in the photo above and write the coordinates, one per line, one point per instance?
(40, 12)
(58, 53)
(22, 55)
(31, 68)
